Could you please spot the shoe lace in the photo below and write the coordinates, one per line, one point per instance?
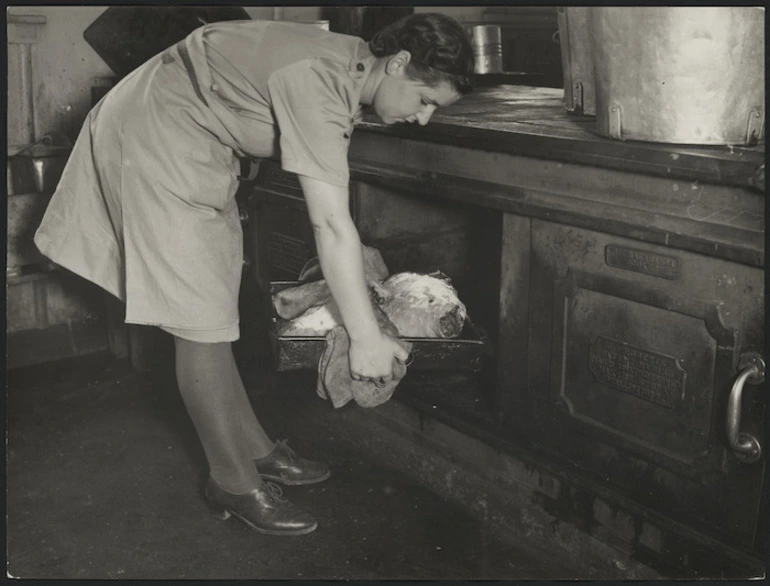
(275, 492)
(287, 450)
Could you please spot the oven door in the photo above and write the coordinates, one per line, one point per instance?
(636, 355)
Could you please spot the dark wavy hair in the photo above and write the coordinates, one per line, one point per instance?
(439, 47)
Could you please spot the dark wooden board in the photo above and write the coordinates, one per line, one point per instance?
(532, 121)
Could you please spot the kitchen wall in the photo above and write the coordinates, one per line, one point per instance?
(65, 67)
(284, 12)
(461, 13)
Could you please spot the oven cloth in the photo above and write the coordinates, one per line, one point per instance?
(146, 205)
(334, 379)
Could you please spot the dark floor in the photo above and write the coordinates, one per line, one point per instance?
(104, 479)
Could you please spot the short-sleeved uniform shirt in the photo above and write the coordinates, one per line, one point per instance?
(146, 205)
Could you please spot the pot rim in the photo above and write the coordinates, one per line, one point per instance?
(39, 151)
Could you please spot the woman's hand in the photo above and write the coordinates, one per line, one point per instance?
(372, 360)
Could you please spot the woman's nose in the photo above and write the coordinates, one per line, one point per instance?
(424, 116)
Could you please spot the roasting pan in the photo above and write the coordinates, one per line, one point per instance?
(303, 352)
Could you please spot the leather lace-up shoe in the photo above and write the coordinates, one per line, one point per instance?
(284, 466)
(263, 509)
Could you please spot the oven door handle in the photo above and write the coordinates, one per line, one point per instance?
(746, 447)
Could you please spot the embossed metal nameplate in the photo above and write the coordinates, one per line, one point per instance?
(641, 261)
(655, 377)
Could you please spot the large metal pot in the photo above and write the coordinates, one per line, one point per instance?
(680, 74)
(577, 60)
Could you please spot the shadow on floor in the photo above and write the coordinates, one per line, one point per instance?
(104, 480)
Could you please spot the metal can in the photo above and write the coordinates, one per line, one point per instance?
(487, 48)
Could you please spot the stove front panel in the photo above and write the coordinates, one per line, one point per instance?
(633, 351)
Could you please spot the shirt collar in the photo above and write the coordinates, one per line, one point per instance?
(362, 63)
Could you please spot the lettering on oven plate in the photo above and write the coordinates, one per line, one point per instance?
(651, 376)
(641, 261)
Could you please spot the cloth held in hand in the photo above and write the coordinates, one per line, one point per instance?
(334, 379)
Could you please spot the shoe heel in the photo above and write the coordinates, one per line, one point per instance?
(218, 512)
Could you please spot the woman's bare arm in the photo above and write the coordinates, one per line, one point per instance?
(341, 258)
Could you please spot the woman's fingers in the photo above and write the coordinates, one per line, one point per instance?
(402, 355)
(376, 362)
(407, 360)
(380, 381)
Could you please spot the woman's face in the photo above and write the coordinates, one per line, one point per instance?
(401, 99)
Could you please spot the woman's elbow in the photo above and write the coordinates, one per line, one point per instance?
(335, 230)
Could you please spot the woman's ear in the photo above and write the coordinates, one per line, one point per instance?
(397, 63)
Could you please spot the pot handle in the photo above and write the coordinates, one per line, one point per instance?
(45, 139)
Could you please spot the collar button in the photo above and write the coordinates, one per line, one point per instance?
(360, 66)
